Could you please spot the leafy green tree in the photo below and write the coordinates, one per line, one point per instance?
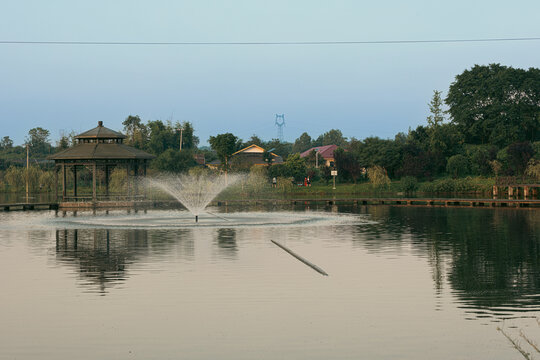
(253, 140)
(496, 104)
(326, 173)
(458, 165)
(136, 132)
(302, 144)
(189, 140)
(63, 142)
(280, 148)
(6, 143)
(347, 164)
(224, 145)
(378, 176)
(295, 167)
(518, 156)
(334, 137)
(479, 157)
(38, 140)
(383, 152)
(408, 184)
(161, 137)
(173, 160)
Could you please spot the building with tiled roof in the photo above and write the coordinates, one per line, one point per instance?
(324, 154)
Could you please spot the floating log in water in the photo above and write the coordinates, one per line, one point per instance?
(311, 265)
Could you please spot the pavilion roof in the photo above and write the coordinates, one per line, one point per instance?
(100, 132)
(101, 151)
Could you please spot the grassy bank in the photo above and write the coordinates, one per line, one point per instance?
(462, 187)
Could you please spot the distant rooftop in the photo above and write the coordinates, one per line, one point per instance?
(327, 151)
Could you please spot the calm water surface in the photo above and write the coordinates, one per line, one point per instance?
(404, 283)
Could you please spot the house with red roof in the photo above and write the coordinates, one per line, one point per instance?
(324, 154)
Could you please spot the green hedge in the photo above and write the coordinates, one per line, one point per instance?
(461, 185)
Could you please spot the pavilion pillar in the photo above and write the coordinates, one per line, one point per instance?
(63, 181)
(56, 182)
(75, 181)
(144, 174)
(127, 180)
(136, 178)
(107, 181)
(94, 182)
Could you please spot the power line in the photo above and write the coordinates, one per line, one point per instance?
(264, 43)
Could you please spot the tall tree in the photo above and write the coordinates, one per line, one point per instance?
(161, 137)
(334, 137)
(189, 140)
(38, 139)
(136, 131)
(303, 143)
(496, 104)
(174, 160)
(224, 145)
(254, 140)
(6, 143)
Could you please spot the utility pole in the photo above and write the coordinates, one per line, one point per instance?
(27, 166)
(181, 134)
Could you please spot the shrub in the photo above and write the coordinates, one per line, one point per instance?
(377, 176)
(457, 165)
(408, 184)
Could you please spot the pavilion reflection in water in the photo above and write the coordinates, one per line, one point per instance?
(104, 257)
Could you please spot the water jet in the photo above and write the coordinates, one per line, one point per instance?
(194, 191)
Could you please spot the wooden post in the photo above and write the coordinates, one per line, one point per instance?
(56, 182)
(495, 191)
(75, 181)
(127, 180)
(526, 192)
(510, 191)
(136, 178)
(107, 181)
(94, 182)
(144, 174)
(63, 181)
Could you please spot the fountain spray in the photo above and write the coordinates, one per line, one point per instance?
(194, 191)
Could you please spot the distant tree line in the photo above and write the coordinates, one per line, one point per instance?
(491, 127)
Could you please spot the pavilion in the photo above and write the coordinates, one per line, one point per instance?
(100, 150)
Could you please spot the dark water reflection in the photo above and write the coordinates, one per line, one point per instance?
(403, 281)
(488, 259)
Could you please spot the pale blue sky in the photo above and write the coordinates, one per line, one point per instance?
(364, 90)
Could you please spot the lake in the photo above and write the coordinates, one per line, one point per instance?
(403, 283)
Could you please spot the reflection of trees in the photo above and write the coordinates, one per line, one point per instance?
(104, 256)
(491, 258)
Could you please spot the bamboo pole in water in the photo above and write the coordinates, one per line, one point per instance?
(308, 263)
